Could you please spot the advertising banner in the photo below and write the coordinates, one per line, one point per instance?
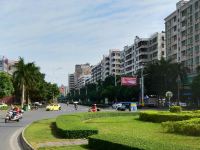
(129, 81)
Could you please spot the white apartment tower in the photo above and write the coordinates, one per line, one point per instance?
(96, 74)
(142, 52)
(183, 35)
(115, 62)
(105, 67)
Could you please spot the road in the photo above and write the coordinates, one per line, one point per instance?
(9, 132)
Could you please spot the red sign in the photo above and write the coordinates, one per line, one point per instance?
(129, 81)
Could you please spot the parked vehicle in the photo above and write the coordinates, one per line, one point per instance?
(116, 105)
(13, 116)
(124, 106)
(53, 107)
(37, 103)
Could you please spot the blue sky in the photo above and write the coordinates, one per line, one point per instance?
(57, 34)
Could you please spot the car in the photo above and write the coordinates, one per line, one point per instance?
(52, 107)
(123, 108)
(37, 103)
(116, 105)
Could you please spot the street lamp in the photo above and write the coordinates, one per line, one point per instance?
(142, 86)
(178, 83)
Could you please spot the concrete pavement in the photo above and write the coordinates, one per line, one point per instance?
(9, 132)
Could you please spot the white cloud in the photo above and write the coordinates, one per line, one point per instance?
(62, 33)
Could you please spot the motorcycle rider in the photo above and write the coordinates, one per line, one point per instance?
(75, 106)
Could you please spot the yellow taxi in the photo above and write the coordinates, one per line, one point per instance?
(52, 107)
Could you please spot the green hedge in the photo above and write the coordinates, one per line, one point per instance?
(116, 142)
(160, 116)
(4, 108)
(175, 109)
(187, 127)
(72, 126)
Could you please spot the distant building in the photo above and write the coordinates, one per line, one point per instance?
(7, 65)
(71, 84)
(96, 74)
(143, 51)
(82, 81)
(81, 70)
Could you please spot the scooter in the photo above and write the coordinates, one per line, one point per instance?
(13, 116)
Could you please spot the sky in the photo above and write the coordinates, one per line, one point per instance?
(57, 34)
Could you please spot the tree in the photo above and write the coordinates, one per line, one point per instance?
(6, 85)
(162, 76)
(195, 88)
(25, 77)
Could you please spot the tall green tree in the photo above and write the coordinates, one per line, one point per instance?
(25, 76)
(163, 76)
(6, 85)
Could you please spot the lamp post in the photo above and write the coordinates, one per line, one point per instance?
(178, 83)
(142, 87)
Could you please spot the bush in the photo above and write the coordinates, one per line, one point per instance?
(187, 127)
(159, 116)
(4, 108)
(108, 142)
(175, 109)
(72, 126)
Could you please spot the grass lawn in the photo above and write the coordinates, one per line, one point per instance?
(43, 131)
(78, 147)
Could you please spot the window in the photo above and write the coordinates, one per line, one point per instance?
(197, 49)
(196, 5)
(174, 19)
(183, 33)
(196, 16)
(197, 60)
(196, 27)
(175, 28)
(196, 37)
(183, 43)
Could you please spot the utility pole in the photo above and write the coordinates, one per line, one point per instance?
(142, 87)
(178, 83)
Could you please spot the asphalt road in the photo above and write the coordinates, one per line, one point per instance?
(9, 132)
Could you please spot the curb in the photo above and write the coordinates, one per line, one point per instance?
(24, 143)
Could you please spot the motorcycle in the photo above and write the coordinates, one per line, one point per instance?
(13, 116)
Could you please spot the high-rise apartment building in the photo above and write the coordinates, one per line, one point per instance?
(82, 81)
(96, 74)
(115, 62)
(81, 70)
(142, 52)
(105, 67)
(182, 29)
(71, 82)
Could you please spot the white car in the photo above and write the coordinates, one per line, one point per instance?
(116, 105)
(37, 103)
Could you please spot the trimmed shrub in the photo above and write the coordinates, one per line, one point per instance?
(187, 127)
(159, 116)
(4, 108)
(73, 126)
(116, 142)
(175, 109)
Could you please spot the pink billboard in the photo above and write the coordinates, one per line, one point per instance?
(129, 81)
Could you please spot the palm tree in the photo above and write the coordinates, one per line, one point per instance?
(24, 77)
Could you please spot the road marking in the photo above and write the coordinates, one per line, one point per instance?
(14, 140)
